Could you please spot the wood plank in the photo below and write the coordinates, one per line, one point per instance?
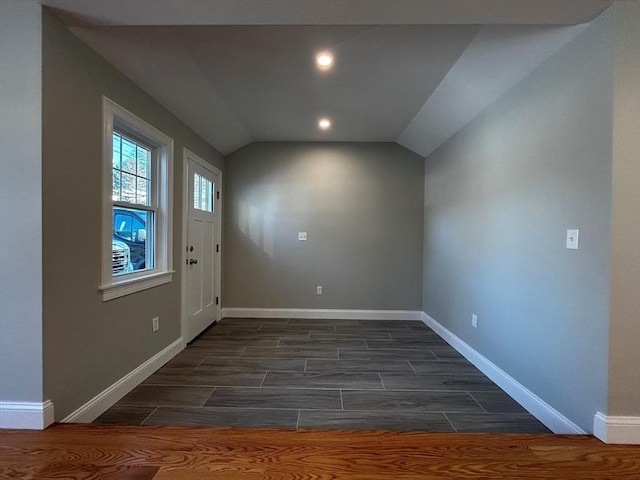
(218, 416)
(352, 419)
(168, 453)
(241, 397)
(94, 472)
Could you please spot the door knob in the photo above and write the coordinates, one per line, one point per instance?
(193, 261)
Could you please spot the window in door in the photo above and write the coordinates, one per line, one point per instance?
(203, 191)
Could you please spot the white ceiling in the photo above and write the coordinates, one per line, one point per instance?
(328, 12)
(411, 71)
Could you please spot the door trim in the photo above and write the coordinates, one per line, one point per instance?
(186, 156)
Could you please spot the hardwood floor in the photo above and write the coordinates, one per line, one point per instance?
(100, 452)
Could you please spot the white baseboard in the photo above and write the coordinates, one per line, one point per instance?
(26, 415)
(612, 429)
(331, 314)
(107, 398)
(554, 420)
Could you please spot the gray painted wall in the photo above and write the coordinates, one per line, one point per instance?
(624, 328)
(20, 202)
(499, 197)
(89, 344)
(361, 204)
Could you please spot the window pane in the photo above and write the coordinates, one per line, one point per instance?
(128, 156)
(144, 159)
(128, 193)
(116, 185)
(131, 171)
(116, 150)
(209, 197)
(196, 191)
(202, 193)
(133, 232)
(142, 191)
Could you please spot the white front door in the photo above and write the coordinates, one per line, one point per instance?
(202, 248)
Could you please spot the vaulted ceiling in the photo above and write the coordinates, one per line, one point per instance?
(409, 71)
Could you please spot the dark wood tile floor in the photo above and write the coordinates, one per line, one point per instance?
(301, 373)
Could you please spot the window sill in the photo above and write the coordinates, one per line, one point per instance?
(128, 286)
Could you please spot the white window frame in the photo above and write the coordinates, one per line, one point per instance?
(116, 117)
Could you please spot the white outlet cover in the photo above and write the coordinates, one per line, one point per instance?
(302, 236)
(474, 320)
(572, 239)
(319, 289)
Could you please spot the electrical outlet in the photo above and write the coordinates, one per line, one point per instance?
(155, 324)
(319, 290)
(474, 320)
(302, 236)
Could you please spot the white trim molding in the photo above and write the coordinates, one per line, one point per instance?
(616, 429)
(107, 398)
(553, 419)
(117, 117)
(132, 285)
(329, 314)
(26, 415)
(187, 156)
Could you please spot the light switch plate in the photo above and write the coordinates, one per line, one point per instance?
(572, 239)
(302, 236)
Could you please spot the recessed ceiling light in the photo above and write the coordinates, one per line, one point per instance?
(324, 60)
(324, 123)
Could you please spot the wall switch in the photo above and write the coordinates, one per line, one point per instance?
(319, 289)
(572, 239)
(155, 324)
(302, 236)
(474, 320)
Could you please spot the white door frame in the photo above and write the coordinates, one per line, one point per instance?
(186, 156)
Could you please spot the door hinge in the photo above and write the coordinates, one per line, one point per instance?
(217, 300)
(217, 247)
(217, 195)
